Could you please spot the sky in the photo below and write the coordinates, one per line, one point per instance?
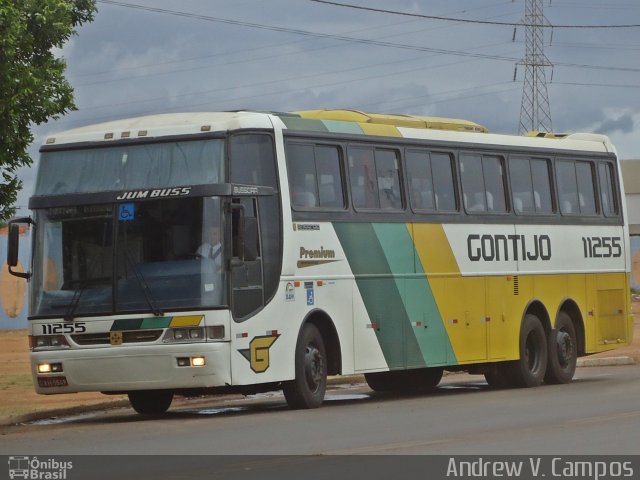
(287, 55)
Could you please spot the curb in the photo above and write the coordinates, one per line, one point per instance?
(60, 412)
(605, 361)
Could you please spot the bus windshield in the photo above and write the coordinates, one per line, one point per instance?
(147, 256)
(131, 167)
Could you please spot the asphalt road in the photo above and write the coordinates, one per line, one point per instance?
(599, 413)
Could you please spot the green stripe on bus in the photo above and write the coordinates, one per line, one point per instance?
(380, 293)
(126, 324)
(335, 126)
(309, 125)
(156, 322)
(424, 325)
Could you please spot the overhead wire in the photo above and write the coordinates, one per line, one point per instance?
(355, 39)
(467, 20)
(293, 90)
(235, 62)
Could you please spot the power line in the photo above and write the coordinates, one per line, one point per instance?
(233, 52)
(463, 20)
(340, 71)
(287, 91)
(235, 62)
(355, 40)
(307, 33)
(584, 84)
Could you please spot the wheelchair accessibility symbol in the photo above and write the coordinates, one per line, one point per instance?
(310, 296)
(127, 212)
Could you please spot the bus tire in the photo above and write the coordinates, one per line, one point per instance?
(530, 369)
(563, 351)
(380, 381)
(151, 402)
(498, 375)
(426, 379)
(308, 387)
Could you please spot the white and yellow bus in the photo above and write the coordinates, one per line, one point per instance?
(246, 251)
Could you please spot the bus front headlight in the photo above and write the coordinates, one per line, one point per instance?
(44, 342)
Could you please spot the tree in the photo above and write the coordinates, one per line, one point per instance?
(33, 88)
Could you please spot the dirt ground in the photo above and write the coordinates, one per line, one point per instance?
(17, 396)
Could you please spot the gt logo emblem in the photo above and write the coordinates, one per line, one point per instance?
(115, 338)
(258, 352)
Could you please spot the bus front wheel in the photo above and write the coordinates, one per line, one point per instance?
(498, 375)
(530, 369)
(151, 402)
(308, 387)
(563, 352)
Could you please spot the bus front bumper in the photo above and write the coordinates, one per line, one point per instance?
(150, 367)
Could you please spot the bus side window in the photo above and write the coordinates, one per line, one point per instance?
(302, 175)
(472, 183)
(443, 183)
(329, 177)
(607, 189)
(362, 178)
(586, 188)
(421, 192)
(521, 185)
(315, 176)
(388, 176)
(567, 187)
(493, 170)
(541, 180)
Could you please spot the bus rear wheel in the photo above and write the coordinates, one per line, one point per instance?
(308, 387)
(563, 352)
(530, 369)
(151, 402)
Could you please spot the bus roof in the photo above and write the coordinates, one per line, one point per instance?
(329, 121)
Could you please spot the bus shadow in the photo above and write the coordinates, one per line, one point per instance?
(258, 404)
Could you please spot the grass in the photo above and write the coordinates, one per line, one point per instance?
(22, 380)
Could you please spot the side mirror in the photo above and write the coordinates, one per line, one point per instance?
(13, 246)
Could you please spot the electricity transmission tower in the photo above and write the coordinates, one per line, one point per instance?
(535, 112)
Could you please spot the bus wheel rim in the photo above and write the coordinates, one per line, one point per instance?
(314, 367)
(565, 348)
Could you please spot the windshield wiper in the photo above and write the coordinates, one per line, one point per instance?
(75, 300)
(146, 291)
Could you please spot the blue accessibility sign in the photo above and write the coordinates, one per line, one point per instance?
(310, 297)
(127, 212)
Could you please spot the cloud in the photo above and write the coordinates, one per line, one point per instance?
(623, 124)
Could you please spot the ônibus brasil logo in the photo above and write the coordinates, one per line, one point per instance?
(38, 469)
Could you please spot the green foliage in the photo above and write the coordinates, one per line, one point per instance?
(33, 88)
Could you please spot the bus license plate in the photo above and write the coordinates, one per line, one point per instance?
(45, 382)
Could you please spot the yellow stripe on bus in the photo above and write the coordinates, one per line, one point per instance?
(380, 130)
(186, 321)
